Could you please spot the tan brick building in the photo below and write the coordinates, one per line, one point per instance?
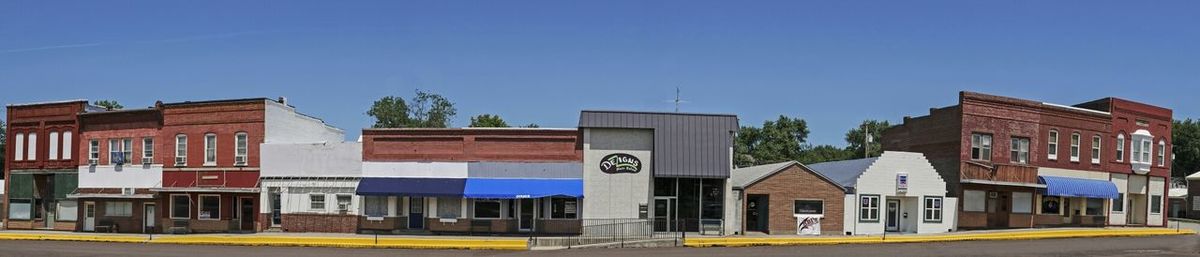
(770, 194)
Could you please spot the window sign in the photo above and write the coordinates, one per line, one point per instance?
(902, 182)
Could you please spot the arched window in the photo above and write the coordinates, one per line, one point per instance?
(1052, 148)
(1075, 147)
(1162, 153)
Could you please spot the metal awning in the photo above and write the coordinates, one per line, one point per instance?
(510, 188)
(1079, 187)
(111, 196)
(419, 187)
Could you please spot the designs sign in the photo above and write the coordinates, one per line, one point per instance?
(620, 163)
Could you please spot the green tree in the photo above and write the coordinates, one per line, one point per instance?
(430, 110)
(390, 112)
(824, 153)
(531, 125)
(1185, 141)
(776, 141)
(109, 104)
(488, 121)
(854, 138)
(427, 110)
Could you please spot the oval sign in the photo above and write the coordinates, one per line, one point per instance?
(620, 163)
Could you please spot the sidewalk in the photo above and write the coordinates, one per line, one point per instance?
(1015, 234)
(285, 239)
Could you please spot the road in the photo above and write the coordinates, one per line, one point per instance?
(1140, 246)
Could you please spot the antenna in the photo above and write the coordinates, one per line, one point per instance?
(677, 99)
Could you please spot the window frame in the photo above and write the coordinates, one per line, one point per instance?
(1147, 151)
(53, 146)
(32, 153)
(19, 147)
(337, 198)
(94, 150)
(983, 149)
(1013, 203)
(1096, 148)
(869, 210)
(210, 149)
(147, 150)
(68, 146)
(1019, 150)
(939, 210)
(181, 153)
(200, 207)
(312, 202)
(1153, 202)
(1118, 205)
(1052, 145)
(1162, 153)
(1121, 147)
(1041, 210)
(475, 209)
(1076, 140)
(173, 203)
(795, 204)
(241, 144)
(118, 205)
(554, 201)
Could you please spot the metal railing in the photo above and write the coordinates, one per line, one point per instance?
(632, 232)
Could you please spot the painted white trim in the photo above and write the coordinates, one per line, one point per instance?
(171, 208)
(1052, 145)
(213, 145)
(181, 152)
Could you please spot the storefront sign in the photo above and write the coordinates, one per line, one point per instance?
(808, 225)
(620, 163)
(902, 182)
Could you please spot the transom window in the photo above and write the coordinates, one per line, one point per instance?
(981, 147)
(808, 207)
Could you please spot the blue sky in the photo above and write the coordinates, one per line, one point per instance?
(833, 63)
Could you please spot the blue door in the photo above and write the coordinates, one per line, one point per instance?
(416, 213)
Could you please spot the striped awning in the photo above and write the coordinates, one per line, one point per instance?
(1079, 187)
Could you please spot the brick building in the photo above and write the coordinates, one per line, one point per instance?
(773, 196)
(211, 179)
(471, 180)
(117, 170)
(41, 164)
(1023, 163)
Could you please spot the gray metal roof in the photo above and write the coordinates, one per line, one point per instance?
(845, 173)
(689, 145)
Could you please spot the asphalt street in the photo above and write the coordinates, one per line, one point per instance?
(1139, 246)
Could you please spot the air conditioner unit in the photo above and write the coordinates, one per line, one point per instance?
(147, 160)
(180, 161)
(93, 162)
(239, 160)
(127, 191)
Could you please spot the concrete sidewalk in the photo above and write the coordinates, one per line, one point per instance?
(981, 235)
(285, 239)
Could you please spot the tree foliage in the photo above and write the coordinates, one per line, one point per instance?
(531, 125)
(1185, 141)
(109, 104)
(424, 110)
(488, 121)
(854, 138)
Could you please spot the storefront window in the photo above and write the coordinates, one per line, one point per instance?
(181, 206)
(449, 207)
(210, 207)
(487, 209)
(1156, 204)
(1022, 202)
(974, 200)
(809, 207)
(564, 208)
(20, 209)
(1094, 207)
(1119, 203)
(118, 209)
(664, 187)
(1050, 204)
(376, 206)
(714, 194)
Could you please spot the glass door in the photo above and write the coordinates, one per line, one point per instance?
(525, 213)
(893, 215)
(416, 213)
(664, 214)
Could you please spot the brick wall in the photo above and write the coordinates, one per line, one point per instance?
(795, 183)
(471, 145)
(320, 223)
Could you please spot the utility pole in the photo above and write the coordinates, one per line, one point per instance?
(866, 140)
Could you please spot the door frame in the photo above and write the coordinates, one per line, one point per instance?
(420, 220)
(275, 203)
(762, 221)
(242, 219)
(89, 223)
(149, 219)
(669, 225)
(532, 214)
(893, 214)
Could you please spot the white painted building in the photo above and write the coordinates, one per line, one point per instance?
(309, 187)
(897, 192)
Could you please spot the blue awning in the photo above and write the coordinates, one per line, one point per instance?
(509, 188)
(419, 187)
(1078, 187)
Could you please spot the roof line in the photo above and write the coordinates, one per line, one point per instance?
(790, 163)
(48, 102)
(664, 113)
(218, 101)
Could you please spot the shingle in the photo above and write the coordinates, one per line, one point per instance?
(844, 173)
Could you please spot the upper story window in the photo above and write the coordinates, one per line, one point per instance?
(210, 149)
(19, 155)
(1146, 150)
(1019, 150)
(1121, 148)
(241, 142)
(1162, 153)
(1075, 147)
(32, 152)
(981, 147)
(181, 150)
(93, 151)
(67, 145)
(53, 146)
(1052, 148)
(120, 151)
(147, 150)
(1096, 149)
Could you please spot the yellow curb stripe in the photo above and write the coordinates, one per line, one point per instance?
(1025, 235)
(339, 242)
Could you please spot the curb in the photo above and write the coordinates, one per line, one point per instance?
(333, 242)
(1030, 235)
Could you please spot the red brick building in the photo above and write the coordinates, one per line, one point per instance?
(773, 194)
(1008, 159)
(41, 164)
(472, 180)
(117, 170)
